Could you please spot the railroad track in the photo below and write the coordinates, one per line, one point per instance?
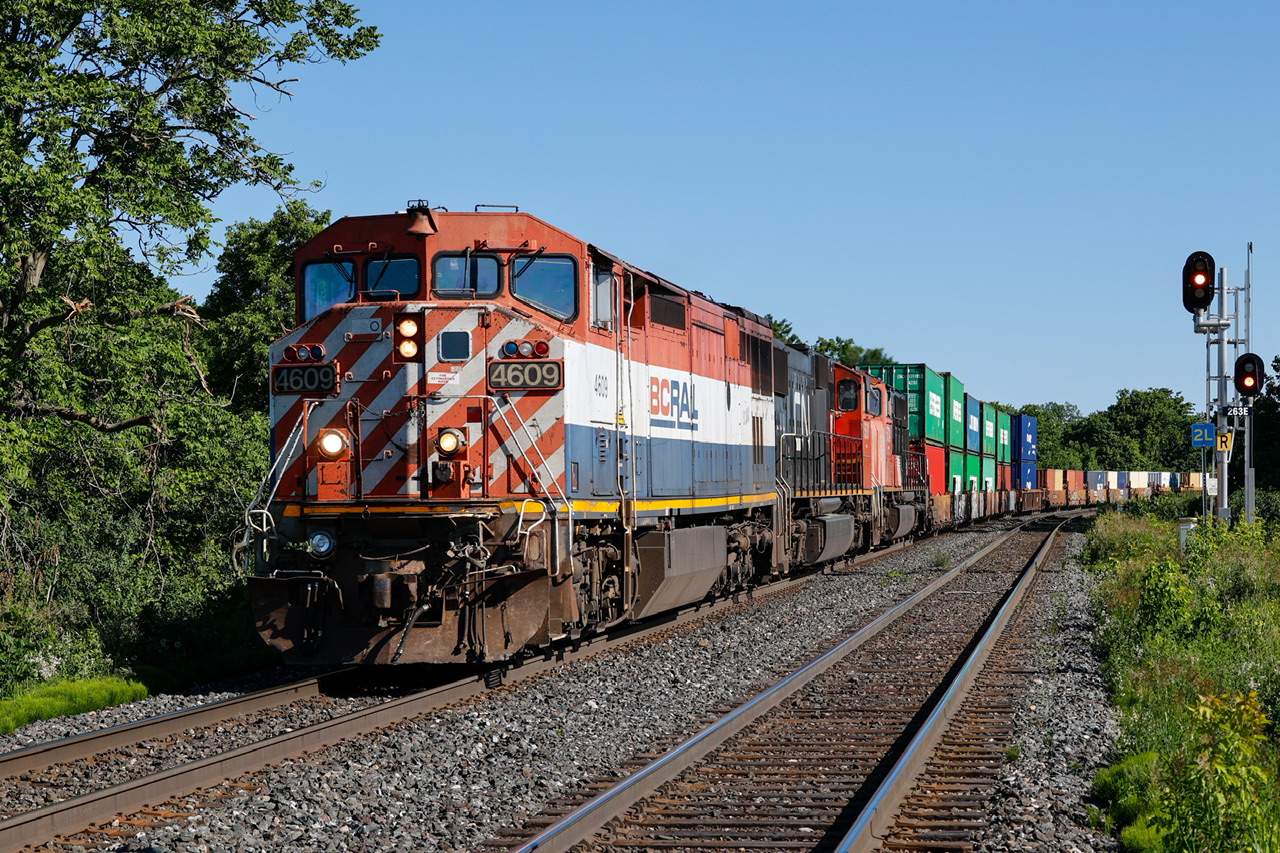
(113, 810)
(93, 811)
(824, 759)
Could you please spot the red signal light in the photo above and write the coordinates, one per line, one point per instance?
(1248, 375)
(1198, 289)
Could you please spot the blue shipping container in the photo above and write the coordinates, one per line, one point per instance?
(1095, 479)
(1026, 438)
(1122, 479)
(972, 424)
(1025, 473)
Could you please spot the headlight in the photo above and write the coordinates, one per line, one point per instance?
(321, 543)
(449, 442)
(408, 348)
(408, 327)
(333, 443)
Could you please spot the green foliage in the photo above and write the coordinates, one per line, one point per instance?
(123, 471)
(782, 331)
(1176, 631)
(49, 701)
(1166, 506)
(22, 636)
(845, 351)
(251, 303)
(1141, 837)
(1141, 431)
(1128, 790)
(1219, 796)
(1266, 503)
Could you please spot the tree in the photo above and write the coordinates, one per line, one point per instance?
(845, 351)
(125, 118)
(1158, 421)
(122, 472)
(1054, 422)
(782, 331)
(251, 303)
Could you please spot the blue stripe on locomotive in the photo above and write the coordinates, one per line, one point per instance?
(664, 467)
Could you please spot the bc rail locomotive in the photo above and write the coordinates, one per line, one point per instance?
(489, 435)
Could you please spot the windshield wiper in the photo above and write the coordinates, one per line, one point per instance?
(531, 259)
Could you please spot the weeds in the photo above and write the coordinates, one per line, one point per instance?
(1191, 648)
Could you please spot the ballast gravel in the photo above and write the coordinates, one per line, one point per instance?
(453, 779)
(1066, 728)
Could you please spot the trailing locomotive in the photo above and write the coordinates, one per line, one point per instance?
(488, 435)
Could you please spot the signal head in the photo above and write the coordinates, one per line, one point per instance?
(1248, 376)
(1198, 288)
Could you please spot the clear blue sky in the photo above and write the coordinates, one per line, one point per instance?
(1003, 190)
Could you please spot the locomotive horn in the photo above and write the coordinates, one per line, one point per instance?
(422, 224)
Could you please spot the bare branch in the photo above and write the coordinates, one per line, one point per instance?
(30, 407)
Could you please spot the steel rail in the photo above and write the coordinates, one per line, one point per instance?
(582, 824)
(78, 813)
(75, 814)
(41, 755)
(879, 814)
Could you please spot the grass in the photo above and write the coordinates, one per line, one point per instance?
(48, 701)
(1191, 649)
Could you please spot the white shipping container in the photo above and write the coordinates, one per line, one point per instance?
(1139, 480)
(1113, 480)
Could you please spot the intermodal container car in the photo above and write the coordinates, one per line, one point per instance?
(925, 392)
(936, 458)
(989, 420)
(972, 424)
(953, 404)
(988, 473)
(1026, 438)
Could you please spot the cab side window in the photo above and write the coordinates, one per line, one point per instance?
(875, 404)
(325, 284)
(549, 283)
(847, 395)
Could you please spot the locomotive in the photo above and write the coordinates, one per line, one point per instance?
(489, 435)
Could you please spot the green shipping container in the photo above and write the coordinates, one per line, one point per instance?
(924, 389)
(973, 472)
(989, 430)
(956, 481)
(988, 473)
(1004, 438)
(953, 410)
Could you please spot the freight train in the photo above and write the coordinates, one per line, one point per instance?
(489, 435)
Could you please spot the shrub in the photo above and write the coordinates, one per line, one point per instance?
(1219, 796)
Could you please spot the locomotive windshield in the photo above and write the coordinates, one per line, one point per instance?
(393, 278)
(466, 275)
(549, 283)
(325, 284)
